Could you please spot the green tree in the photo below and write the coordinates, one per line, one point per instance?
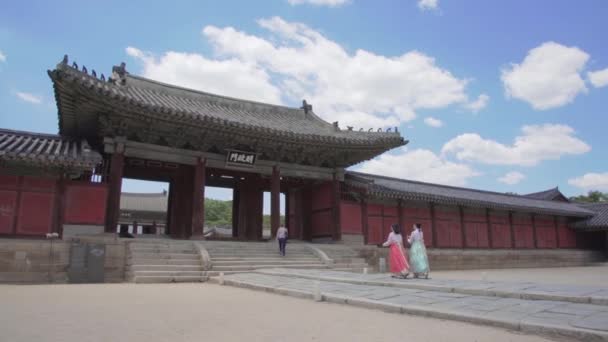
(218, 213)
(591, 197)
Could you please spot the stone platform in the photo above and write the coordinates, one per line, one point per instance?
(504, 289)
(553, 318)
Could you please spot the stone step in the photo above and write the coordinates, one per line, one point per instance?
(189, 256)
(258, 255)
(162, 250)
(266, 262)
(168, 274)
(256, 251)
(172, 279)
(285, 258)
(185, 262)
(255, 267)
(161, 245)
(177, 268)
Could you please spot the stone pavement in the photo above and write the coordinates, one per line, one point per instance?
(586, 322)
(523, 290)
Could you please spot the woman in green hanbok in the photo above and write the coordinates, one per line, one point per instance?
(419, 261)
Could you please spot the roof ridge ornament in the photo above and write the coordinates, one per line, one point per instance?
(119, 73)
(307, 107)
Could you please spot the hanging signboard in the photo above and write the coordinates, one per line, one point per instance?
(239, 158)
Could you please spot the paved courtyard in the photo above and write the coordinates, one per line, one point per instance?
(577, 312)
(208, 312)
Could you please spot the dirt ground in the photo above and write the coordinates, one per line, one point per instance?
(592, 275)
(207, 312)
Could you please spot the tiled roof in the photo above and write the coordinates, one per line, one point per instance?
(548, 195)
(418, 191)
(186, 105)
(46, 151)
(150, 202)
(598, 221)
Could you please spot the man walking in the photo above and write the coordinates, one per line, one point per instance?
(282, 238)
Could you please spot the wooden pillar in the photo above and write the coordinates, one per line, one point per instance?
(275, 201)
(198, 200)
(512, 229)
(462, 227)
(490, 237)
(364, 221)
(117, 162)
(287, 214)
(59, 207)
(400, 215)
(337, 231)
(557, 243)
(307, 213)
(433, 226)
(235, 212)
(534, 236)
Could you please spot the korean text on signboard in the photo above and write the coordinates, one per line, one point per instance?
(237, 158)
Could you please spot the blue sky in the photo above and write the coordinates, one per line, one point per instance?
(505, 96)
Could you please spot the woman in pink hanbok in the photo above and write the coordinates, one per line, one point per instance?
(399, 266)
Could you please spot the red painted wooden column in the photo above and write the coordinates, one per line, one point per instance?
(59, 206)
(433, 226)
(364, 220)
(337, 232)
(534, 236)
(198, 200)
(557, 244)
(463, 229)
(117, 162)
(307, 213)
(490, 237)
(512, 229)
(400, 215)
(275, 201)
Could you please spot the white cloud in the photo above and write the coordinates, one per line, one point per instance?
(28, 97)
(433, 122)
(329, 3)
(591, 181)
(549, 76)
(230, 77)
(512, 178)
(2, 57)
(421, 165)
(538, 143)
(598, 78)
(427, 5)
(479, 104)
(358, 89)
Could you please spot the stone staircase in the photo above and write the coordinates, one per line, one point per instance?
(345, 258)
(164, 262)
(231, 257)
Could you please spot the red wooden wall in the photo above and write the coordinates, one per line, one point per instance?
(524, 231)
(448, 227)
(475, 228)
(321, 217)
(500, 228)
(85, 203)
(27, 205)
(566, 236)
(374, 224)
(350, 217)
(418, 213)
(545, 231)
